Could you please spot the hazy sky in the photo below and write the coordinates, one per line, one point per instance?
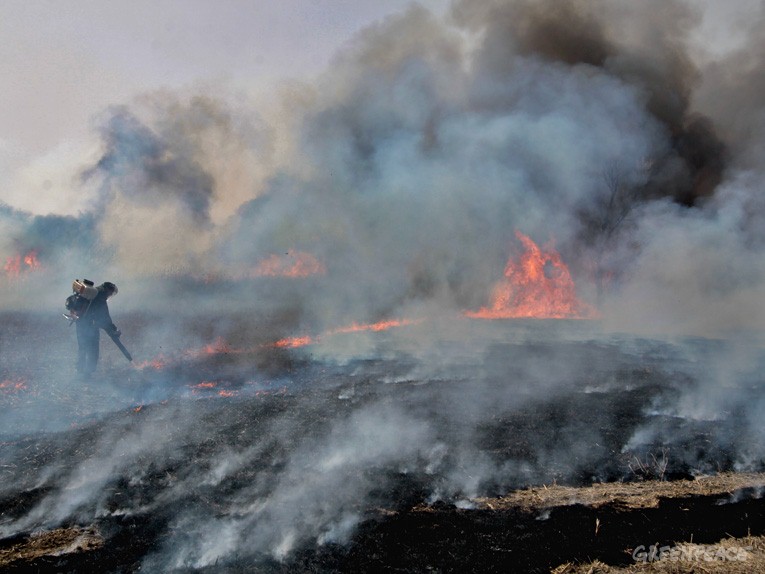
(64, 62)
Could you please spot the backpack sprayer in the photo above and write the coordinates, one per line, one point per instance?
(85, 288)
(84, 291)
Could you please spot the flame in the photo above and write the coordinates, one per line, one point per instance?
(31, 261)
(211, 385)
(375, 327)
(157, 363)
(205, 385)
(537, 285)
(13, 386)
(302, 341)
(200, 388)
(19, 264)
(13, 265)
(292, 264)
(221, 346)
(294, 342)
(216, 348)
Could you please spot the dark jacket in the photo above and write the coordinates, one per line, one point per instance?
(97, 315)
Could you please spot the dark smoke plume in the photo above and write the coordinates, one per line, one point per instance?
(651, 56)
(139, 162)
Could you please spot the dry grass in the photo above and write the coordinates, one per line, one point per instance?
(629, 495)
(56, 542)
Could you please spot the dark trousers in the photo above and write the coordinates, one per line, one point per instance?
(88, 342)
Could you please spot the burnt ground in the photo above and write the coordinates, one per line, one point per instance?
(494, 447)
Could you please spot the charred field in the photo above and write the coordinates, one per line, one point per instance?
(493, 446)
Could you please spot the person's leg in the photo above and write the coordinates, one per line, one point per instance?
(82, 348)
(91, 350)
(96, 348)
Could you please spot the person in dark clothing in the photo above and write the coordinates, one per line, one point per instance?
(95, 317)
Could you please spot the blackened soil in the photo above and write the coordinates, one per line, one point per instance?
(494, 417)
(442, 538)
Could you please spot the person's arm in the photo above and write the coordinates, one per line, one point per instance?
(105, 320)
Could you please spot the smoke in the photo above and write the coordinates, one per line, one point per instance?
(424, 160)
(315, 497)
(405, 170)
(163, 178)
(407, 167)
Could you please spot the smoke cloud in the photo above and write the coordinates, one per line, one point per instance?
(404, 172)
(407, 167)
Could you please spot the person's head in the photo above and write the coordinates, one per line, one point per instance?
(110, 288)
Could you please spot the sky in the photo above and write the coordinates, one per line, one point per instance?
(63, 63)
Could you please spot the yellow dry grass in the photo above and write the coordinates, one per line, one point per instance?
(629, 494)
(56, 542)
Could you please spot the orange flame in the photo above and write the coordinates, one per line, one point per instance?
(538, 285)
(205, 385)
(212, 385)
(292, 264)
(13, 265)
(219, 346)
(158, 363)
(294, 342)
(375, 327)
(18, 264)
(31, 261)
(13, 386)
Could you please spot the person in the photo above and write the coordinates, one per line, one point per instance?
(94, 318)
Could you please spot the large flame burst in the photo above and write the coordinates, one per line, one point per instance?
(536, 285)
